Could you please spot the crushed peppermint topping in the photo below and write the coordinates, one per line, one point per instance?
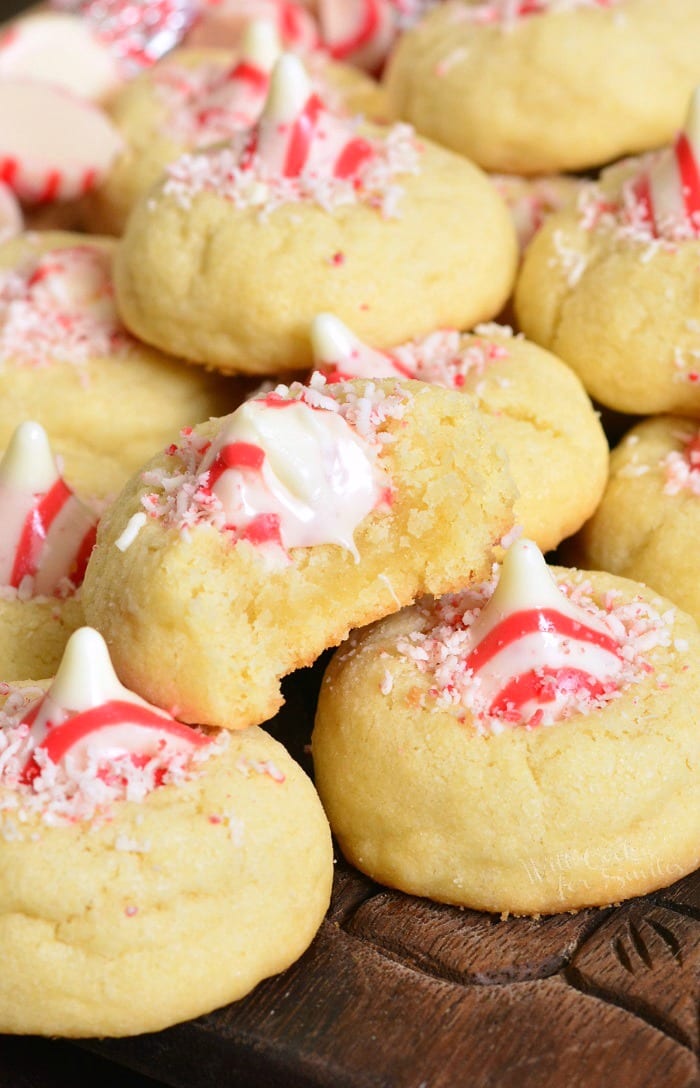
(572, 261)
(267, 767)
(686, 362)
(59, 307)
(532, 200)
(441, 646)
(183, 497)
(247, 182)
(508, 13)
(448, 358)
(682, 467)
(445, 357)
(83, 789)
(208, 102)
(628, 214)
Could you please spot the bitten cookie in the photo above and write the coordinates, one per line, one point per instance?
(195, 98)
(231, 256)
(263, 538)
(538, 410)
(648, 521)
(107, 401)
(149, 872)
(550, 86)
(46, 536)
(529, 749)
(613, 285)
(531, 200)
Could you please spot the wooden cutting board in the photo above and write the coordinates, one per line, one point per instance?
(399, 992)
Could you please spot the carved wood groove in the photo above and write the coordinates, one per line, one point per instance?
(466, 947)
(646, 959)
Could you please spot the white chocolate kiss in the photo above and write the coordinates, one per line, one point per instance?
(316, 475)
(337, 349)
(232, 99)
(86, 681)
(670, 188)
(260, 44)
(296, 134)
(444, 357)
(558, 645)
(509, 12)
(28, 473)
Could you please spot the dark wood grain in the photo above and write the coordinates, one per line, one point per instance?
(399, 992)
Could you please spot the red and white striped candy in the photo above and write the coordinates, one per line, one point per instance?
(53, 145)
(222, 23)
(11, 218)
(443, 357)
(234, 100)
(668, 195)
(292, 474)
(360, 32)
(60, 49)
(46, 533)
(87, 713)
(532, 650)
(297, 135)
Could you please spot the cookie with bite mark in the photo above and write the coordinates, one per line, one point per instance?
(549, 86)
(530, 748)
(537, 408)
(612, 285)
(261, 539)
(149, 872)
(234, 252)
(107, 401)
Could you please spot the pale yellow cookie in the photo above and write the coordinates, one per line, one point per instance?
(181, 104)
(381, 492)
(34, 632)
(539, 412)
(107, 401)
(121, 916)
(647, 524)
(545, 422)
(612, 285)
(232, 255)
(565, 87)
(512, 815)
